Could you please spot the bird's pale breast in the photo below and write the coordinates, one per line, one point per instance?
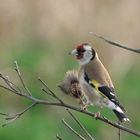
(92, 95)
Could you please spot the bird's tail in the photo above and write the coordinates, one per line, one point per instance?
(121, 116)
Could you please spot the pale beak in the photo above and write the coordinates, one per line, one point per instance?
(73, 52)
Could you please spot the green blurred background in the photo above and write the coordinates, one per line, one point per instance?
(40, 33)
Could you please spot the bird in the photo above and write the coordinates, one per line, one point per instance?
(96, 82)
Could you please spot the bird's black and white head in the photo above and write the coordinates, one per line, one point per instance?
(84, 53)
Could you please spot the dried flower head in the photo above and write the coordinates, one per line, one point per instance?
(71, 86)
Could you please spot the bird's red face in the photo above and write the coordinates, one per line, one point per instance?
(80, 51)
(84, 53)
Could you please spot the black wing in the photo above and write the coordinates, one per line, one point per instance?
(106, 91)
(110, 94)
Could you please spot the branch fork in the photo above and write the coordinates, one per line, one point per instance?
(13, 89)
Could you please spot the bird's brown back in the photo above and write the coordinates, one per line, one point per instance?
(95, 70)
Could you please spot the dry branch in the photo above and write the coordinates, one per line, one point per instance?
(21, 79)
(59, 103)
(74, 131)
(58, 137)
(116, 44)
(81, 126)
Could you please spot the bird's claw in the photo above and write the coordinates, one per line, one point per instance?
(97, 115)
(83, 107)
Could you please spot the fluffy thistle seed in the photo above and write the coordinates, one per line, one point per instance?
(70, 86)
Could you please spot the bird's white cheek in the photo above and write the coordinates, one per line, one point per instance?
(86, 58)
(83, 61)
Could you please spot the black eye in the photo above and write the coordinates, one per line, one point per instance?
(81, 50)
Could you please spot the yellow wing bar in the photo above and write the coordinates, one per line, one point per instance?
(96, 85)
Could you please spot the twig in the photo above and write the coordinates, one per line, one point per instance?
(9, 122)
(21, 79)
(45, 91)
(74, 131)
(4, 114)
(82, 127)
(11, 90)
(119, 132)
(22, 112)
(58, 137)
(9, 83)
(62, 104)
(103, 119)
(11, 118)
(53, 94)
(116, 44)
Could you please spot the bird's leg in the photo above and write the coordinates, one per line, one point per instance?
(83, 103)
(83, 107)
(98, 114)
(101, 105)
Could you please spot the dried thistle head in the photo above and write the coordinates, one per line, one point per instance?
(70, 84)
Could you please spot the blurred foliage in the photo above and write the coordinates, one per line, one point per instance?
(39, 35)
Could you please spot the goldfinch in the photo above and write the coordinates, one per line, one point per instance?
(96, 82)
